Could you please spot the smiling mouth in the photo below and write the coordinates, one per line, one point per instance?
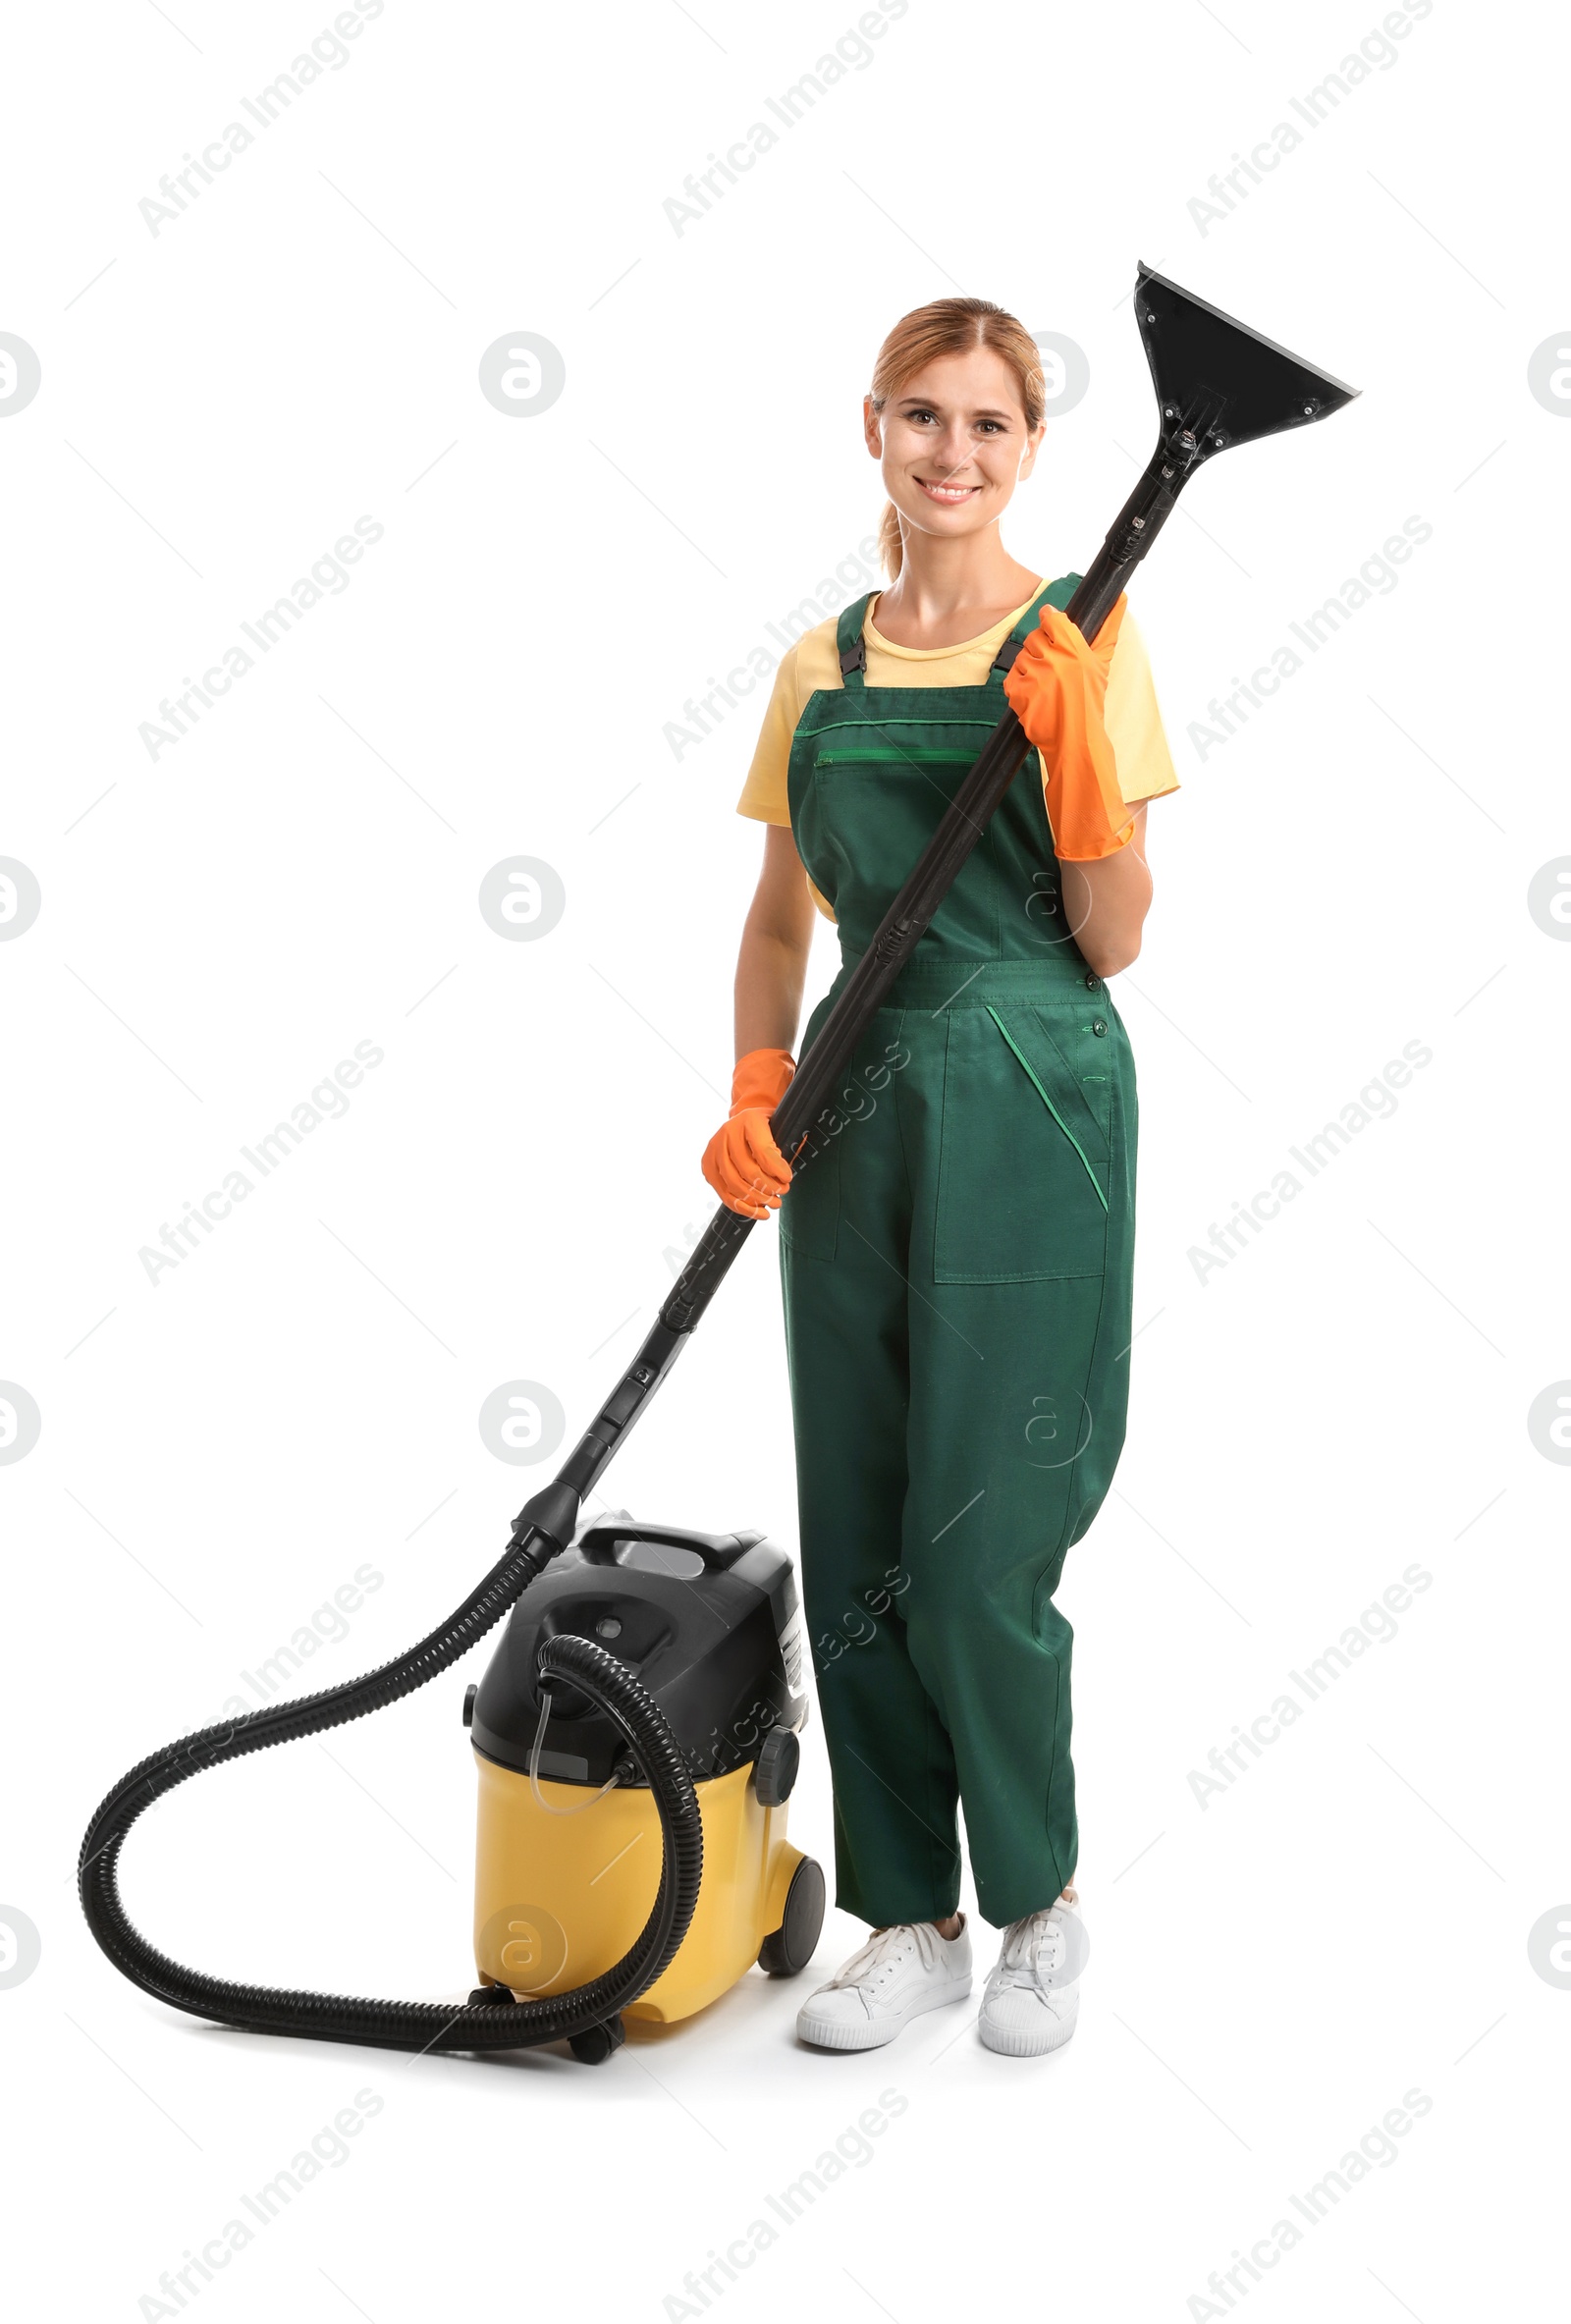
(952, 495)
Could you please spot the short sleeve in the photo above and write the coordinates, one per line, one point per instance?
(766, 792)
(1134, 720)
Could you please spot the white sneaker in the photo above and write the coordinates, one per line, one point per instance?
(899, 1973)
(1032, 1997)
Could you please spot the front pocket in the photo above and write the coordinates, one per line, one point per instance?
(1027, 1168)
(810, 1208)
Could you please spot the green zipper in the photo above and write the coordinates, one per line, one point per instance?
(1048, 1102)
(896, 758)
(881, 725)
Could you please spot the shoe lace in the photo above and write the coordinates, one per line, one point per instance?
(1027, 1941)
(881, 1949)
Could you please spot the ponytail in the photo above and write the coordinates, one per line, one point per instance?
(890, 546)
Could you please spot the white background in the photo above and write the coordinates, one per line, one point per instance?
(1348, 1396)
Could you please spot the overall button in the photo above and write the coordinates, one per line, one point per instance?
(1096, 1025)
(1091, 980)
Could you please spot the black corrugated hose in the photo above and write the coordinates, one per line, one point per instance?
(413, 2024)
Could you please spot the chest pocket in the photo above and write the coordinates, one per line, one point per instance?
(1030, 1154)
(866, 795)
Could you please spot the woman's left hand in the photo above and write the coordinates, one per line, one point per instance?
(1057, 689)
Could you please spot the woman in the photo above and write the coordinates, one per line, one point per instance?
(957, 1261)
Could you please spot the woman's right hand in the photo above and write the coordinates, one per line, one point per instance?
(741, 1162)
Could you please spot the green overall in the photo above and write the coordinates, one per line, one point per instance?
(955, 1265)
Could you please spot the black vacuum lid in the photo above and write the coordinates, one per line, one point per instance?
(706, 1622)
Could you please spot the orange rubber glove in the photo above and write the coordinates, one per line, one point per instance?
(741, 1162)
(1057, 689)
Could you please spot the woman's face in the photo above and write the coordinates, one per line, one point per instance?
(954, 444)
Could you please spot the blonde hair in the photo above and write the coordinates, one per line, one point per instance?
(952, 327)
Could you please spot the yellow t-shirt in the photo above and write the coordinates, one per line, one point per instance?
(813, 665)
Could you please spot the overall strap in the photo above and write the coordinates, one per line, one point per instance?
(850, 644)
(1056, 593)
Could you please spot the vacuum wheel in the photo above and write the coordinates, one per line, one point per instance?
(596, 2043)
(789, 1948)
